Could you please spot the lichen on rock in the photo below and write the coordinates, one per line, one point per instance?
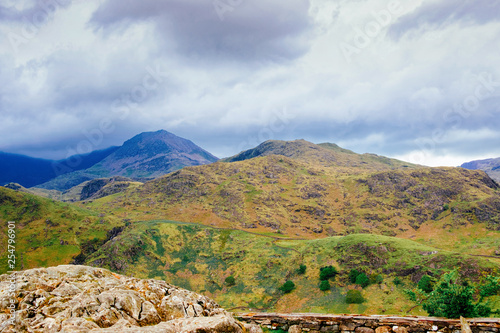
(73, 298)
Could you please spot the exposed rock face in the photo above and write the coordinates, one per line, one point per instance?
(72, 298)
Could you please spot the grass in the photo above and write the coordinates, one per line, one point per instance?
(200, 258)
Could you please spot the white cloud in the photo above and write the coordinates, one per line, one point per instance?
(226, 79)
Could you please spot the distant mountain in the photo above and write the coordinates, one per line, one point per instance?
(29, 171)
(326, 154)
(491, 166)
(145, 156)
(301, 189)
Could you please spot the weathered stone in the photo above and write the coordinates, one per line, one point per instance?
(400, 329)
(295, 329)
(349, 326)
(71, 298)
(364, 330)
(383, 329)
(252, 328)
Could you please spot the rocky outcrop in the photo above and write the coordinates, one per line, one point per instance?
(72, 298)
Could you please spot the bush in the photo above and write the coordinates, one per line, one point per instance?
(491, 287)
(302, 269)
(376, 279)
(327, 272)
(363, 280)
(230, 280)
(425, 284)
(452, 297)
(354, 297)
(353, 274)
(287, 287)
(397, 281)
(324, 285)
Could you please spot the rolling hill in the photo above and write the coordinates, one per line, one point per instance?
(259, 217)
(145, 156)
(316, 198)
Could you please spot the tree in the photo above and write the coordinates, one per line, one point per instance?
(425, 284)
(327, 272)
(363, 280)
(230, 280)
(353, 274)
(397, 281)
(452, 297)
(354, 297)
(302, 269)
(287, 287)
(324, 285)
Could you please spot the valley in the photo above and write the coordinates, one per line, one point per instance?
(237, 229)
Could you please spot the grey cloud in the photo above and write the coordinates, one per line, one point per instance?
(251, 30)
(440, 13)
(35, 11)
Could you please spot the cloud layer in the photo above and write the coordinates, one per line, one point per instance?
(417, 81)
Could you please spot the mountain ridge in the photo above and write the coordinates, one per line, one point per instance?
(144, 156)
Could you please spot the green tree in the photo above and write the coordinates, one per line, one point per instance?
(230, 280)
(324, 285)
(353, 274)
(354, 297)
(451, 297)
(491, 287)
(425, 284)
(327, 272)
(363, 280)
(302, 269)
(287, 287)
(397, 281)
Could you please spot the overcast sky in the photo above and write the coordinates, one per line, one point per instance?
(417, 80)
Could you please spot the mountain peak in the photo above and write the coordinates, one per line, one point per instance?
(151, 154)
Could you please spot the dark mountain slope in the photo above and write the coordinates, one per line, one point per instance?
(29, 171)
(491, 166)
(145, 156)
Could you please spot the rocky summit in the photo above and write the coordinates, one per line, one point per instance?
(73, 298)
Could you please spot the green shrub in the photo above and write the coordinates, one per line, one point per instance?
(324, 285)
(425, 284)
(287, 287)
(376, 279)
(397, 281)
(327, 272)
(451, 299)
(491, 286)
(363, 280)
(230, 280)
(354, 297)
(353, 274)
(302, 269)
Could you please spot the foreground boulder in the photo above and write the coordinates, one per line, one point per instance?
(72, 298)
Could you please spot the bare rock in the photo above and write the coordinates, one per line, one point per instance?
(72, 298)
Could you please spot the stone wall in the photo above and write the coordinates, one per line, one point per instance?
(301, 322)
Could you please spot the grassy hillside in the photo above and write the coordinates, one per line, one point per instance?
(442, 207)
(200, 258)
(47, 232)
